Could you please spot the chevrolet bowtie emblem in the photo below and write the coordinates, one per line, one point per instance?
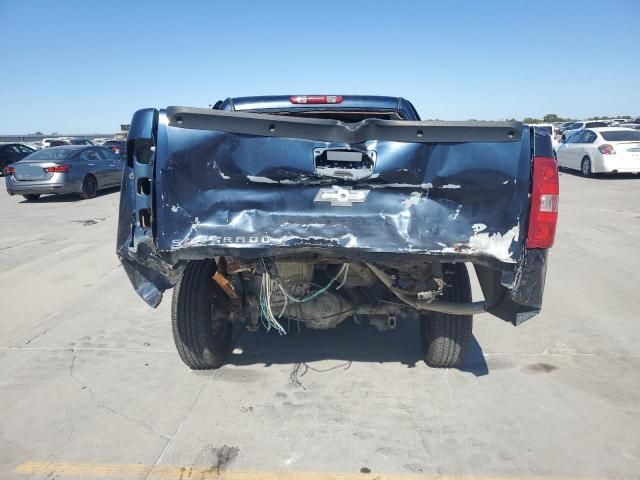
(341, 197)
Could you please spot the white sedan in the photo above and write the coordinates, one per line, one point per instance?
(601, 150)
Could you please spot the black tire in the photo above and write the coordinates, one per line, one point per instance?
(445, 337)
(585, 167)
(89, 187)
(30, 197)
(200, 317)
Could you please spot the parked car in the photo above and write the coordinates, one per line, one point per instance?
(12, 152)
(80, 141)
(119, 147)
(563, 126)
(580, 125)
(601, 150)
(67, 169)
(635, 126)
(614, 122)
(58, 142)
(365, 211)
(99, 141)
(33, 145)
(54, 142)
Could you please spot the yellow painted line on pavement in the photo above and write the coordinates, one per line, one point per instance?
(136, 471)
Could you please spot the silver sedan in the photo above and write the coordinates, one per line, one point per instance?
(78, 169)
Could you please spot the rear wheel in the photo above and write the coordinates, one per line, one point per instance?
(200, 318)
(89, 187)
(445, 337)
(585, 167)
(31, 196)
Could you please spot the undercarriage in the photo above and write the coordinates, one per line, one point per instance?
(320, 293)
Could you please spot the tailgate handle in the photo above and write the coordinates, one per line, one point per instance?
(344, 162)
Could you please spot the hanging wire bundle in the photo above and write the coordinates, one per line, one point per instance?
(266, 294)
(270, 285)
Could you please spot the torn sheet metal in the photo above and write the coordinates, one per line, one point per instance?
(246, 195)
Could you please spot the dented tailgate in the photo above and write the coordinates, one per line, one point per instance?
(202, 183)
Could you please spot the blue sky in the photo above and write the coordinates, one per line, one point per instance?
(82, 67)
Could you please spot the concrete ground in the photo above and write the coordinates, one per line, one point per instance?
(91, 386)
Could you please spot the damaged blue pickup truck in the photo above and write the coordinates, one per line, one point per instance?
(318, 208)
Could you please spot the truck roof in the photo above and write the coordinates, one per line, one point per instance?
(346, 102)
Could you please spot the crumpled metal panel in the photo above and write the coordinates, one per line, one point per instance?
(220, 193)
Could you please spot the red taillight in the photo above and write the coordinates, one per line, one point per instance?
(316, 99)
(607, 149)
(9, 170)
(115, 150)
(544, 203)
(58, 169)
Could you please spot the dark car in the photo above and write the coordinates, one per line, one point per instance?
(12, 152)
(76, 169)
(119, 147)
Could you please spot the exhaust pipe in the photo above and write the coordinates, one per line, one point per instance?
(453, 308)
(442, 306)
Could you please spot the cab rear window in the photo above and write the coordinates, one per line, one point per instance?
(345, 116)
